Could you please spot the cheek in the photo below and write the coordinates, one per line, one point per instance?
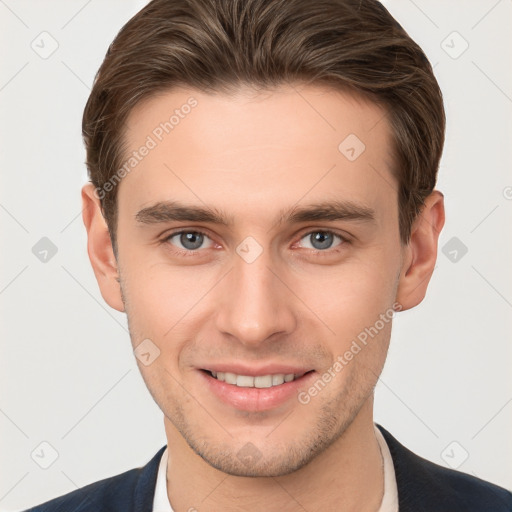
(162, 301)
(351, 296)
(358, 295)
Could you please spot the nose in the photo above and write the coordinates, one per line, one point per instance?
(254, 302)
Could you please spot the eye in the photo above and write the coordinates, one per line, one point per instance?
(321, 240)
(188, 240)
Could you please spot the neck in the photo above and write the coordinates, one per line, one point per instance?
(347, 476)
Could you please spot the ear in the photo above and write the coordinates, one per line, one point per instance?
(420, 254)
(99, 248)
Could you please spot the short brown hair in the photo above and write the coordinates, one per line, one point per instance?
(217, 45)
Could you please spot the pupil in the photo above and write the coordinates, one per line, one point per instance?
(321, 240)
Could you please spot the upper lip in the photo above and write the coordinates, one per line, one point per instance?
(255, 371)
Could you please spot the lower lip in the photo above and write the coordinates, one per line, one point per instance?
(255, 399)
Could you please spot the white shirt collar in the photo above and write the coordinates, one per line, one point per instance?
(161, 500)
(389, 500)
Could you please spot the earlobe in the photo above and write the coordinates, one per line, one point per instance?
(99, 248)
(420, 254)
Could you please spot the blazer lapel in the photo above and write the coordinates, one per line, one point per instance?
(144, 491)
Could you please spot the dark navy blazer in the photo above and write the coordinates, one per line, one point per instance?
(422, 486)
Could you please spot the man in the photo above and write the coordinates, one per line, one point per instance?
(261, 204)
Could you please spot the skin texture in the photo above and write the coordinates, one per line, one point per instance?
(253, 156)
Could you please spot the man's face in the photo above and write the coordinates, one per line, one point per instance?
(266, 293)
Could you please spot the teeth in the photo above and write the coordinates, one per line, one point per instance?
(244, 381)
(230, 378)
(261, 381)
(277, 379)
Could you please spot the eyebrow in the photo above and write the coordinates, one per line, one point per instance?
(166, 211)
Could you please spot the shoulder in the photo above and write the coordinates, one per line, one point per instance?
(121, 492)
(426, 486)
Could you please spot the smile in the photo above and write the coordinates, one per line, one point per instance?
(265, 391)
(260, 381)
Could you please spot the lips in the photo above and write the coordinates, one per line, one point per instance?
(252, 389)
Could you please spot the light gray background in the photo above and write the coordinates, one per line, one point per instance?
(68, 376)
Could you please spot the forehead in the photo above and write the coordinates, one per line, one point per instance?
(266, 148)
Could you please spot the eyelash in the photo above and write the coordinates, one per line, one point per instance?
(195, 252)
